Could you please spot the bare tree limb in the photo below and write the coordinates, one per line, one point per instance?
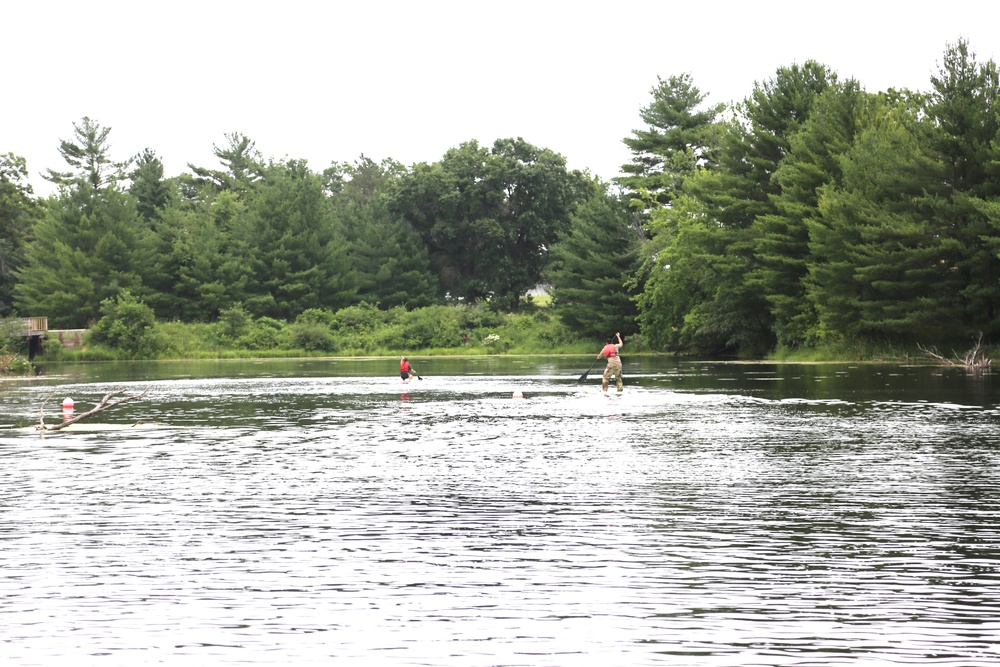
(103, 405)
(41, 411)
(972, 359)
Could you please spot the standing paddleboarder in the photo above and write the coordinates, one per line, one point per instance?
(614, 367)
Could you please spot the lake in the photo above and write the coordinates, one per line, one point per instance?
(299, 512)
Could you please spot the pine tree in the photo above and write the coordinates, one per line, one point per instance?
(389, 258)
(291, 246)
(89, 158)
(19, 211)
(681, 134)
(712, 237)
(90, 245)
(882, 270)
(592, 266)
(782, 237)
(152, 191)
(964, 104)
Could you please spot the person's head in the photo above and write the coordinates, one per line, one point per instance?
(611, 339)
(405, 359)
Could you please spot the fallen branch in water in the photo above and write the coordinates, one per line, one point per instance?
(973, 359)
(101, 407)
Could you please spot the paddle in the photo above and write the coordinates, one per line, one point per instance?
(583, 378)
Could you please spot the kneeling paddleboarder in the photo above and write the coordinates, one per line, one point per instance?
(405, 370)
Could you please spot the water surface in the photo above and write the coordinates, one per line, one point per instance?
(295, 512)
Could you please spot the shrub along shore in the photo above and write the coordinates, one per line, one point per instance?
(364, 331)
(128, 330)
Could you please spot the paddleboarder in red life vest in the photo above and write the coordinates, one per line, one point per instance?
(405, 370)
(614, 367)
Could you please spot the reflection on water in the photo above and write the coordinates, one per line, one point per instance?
(713, 514)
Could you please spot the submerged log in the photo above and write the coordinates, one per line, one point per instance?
(105, 404)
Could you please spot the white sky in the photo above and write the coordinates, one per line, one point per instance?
(329, 80)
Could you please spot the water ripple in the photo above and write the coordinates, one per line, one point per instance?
(448, 523)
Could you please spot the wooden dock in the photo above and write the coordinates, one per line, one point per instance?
(34, 326)
(35, 329)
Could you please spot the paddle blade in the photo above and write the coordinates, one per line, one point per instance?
(583, 378)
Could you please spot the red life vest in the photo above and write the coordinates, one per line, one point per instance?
(610, 350)
(404, 367)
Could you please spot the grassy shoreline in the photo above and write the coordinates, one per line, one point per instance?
(365, 331)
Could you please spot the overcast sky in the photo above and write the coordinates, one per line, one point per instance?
(329, 81)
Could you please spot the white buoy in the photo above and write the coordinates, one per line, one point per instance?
(67, 403)
(517, 394)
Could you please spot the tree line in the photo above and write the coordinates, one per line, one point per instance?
(810, 213)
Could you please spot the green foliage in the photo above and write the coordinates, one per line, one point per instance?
(479, 316)
(359, 320)
(291, 246)
(90, 245)
(685, 305)
(433, 326)
(319, 316)
(699, 294)
(313, 331)
(88, 156)
(244, 166)
(312, 336)
(964, 105)
(681, 135)
(488, 216)
(19, 211)
(431, 330)
(390, 261)
(129, 326)
(782, 238)
(593, 265)
(886, 265)
(152, 192)
(12, 346)
(261, 335)
(234, 323)
(193, 340)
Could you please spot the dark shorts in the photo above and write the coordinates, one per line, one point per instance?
(404, 375)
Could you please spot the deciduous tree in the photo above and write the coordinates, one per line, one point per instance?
(489, 216)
